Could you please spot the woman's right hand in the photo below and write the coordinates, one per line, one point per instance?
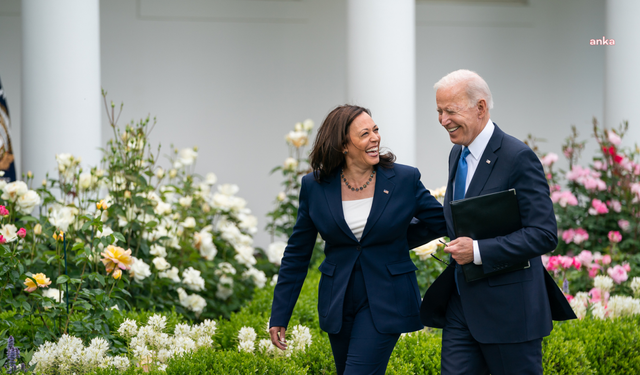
(277, 337)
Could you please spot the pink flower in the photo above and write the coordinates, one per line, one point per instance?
(593, 271)
(569, 297)
(554, 263)
(636, 169)
(22, 233)
(545, 260)
(580, 236)
(613, 137)
(585, 257)
(576, 263)
(615, 236)
(567, 235)
(564, 198)
(549, 159)
(606, 259)
(2, 239)
(577, 173)
(593, 183)
(618, 274)
(596, 296)
(568, 152)
(615, 205)
(626, 267)
(554, 188)
(624, 225)
(600, 165)
(599, 207)
(3, 211)
(565, 261)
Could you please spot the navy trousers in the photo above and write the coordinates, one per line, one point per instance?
(359, 349)
(462, 354)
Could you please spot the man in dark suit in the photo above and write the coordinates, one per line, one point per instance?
(495, 324)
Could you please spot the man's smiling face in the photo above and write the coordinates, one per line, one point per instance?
(463, 123)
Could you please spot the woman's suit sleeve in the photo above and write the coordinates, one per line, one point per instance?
(295, 263)
(431, 223)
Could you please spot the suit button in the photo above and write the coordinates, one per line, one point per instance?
(359, 248)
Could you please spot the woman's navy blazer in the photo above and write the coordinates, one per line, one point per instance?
(389, 273)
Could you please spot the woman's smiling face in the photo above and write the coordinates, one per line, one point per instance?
(364, 142)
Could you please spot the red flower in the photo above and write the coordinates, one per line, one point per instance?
(617, 159)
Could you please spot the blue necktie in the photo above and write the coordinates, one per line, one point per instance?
(461, 175)
(459, 191)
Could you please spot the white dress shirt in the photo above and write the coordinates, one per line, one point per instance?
(476, 149)
(356, 214)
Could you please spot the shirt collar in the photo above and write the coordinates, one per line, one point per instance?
(476, 148)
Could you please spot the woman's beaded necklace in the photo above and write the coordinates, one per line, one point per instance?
(357, 188)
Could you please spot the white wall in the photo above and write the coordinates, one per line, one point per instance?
(234, 76)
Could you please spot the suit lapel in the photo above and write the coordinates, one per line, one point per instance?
(382, 194)
(334, 201)
(448, 196)
(485, 164)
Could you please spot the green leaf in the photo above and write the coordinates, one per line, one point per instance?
(62, 279)
(26, 305)
(26, 219)
(100, 279)
(119, 236)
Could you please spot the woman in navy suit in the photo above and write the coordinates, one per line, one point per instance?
(361, 203)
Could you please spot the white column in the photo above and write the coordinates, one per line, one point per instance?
(61, 103)
(381, 69)
(622, 64)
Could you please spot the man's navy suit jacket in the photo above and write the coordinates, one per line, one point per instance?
(516, 306)
(389, 273)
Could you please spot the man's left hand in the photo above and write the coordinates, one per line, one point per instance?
(461, 249)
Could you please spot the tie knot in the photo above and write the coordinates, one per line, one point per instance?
(465, 152)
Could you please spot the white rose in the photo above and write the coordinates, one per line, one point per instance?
(189, 222)
(185, 201)
(86, 181)
(290, 164)
(9, 232)
(244, 255)
(161, 263)
(248, 223)
(139, 270)
(259, 278)
(61, 217)
(211, 179)
(228, 189)
(172, 274)
(297, 138)
(52, 293)
(275, 252)
(425, 251)
(203, 241)
(159, 173)
(192, 302)
(28, 201)
(64, 161)
(192, 279)
(281, 196)
(308, 124)
(14, 190)
(162, 208)
(158, 251)
(187, 156)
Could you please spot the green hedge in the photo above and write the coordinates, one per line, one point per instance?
(576, 347)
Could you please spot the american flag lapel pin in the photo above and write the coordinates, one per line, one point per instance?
(488, 161)
(385, 191)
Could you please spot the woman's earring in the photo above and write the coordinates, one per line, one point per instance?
(345, 152)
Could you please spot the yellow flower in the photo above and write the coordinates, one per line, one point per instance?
(37, 229)
(102, 205)
(58, 237)
(116, 257)
(42, 282)
(117, 273)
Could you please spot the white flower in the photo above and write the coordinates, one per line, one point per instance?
(86, 181)
(228, 189)
(189, 222)
(159, 173)
(211, 179)
(620, 306)
(635, 286)
(187, 156)
(300, 338)
(274, 279)
(224, 287)
(265, 346)
(225, 268)
(192, 302)
(64, 161)
(185, 201)
(128, 328)
(248, 223)
(161, 263)
(247, 334)
(290, 164)
(9, 232)
(259, 278)
(297, 138)
(61, 217)
(162, 208)
(53, 293)
(192, 279)
(308, 124)
(604, 283)
(244, 255)
(598, 310)
(139, 270)
(579, 307)
(425, 251)
(281, 196)
(172, 274)
(203, 241)
(158, 251)
(14, 190)
(27, 201)
(121, 363)
(246, 346)
(157, 322)
(275, 252)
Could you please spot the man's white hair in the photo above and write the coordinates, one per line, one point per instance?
(476, 87)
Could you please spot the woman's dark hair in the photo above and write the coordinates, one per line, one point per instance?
(333, 135)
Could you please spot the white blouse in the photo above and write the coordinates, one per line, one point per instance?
(356, 214)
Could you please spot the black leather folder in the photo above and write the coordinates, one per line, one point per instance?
(487, 216)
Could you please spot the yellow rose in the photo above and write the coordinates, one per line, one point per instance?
(41, 279)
